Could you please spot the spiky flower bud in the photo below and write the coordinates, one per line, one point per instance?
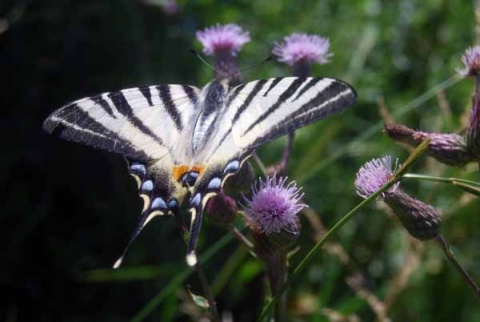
(222, 209)
(373, 175)
(421, 220)
(471, 62)
(224, 42)
(450, 149)
(302, 50)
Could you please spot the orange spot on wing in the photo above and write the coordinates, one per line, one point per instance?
(179, 170)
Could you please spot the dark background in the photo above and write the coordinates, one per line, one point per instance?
(67, 210)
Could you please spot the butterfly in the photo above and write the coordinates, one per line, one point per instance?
(182, 141)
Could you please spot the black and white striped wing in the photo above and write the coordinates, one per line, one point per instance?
(141, 123)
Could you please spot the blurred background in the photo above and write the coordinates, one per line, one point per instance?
(67, 211)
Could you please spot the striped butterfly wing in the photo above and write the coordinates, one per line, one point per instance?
(147, 125)
(255, 113)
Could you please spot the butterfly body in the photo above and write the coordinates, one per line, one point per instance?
(183, 141)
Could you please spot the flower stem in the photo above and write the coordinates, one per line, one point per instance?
(212, 306)
(451, 258)
(277, 275)
(286, 152)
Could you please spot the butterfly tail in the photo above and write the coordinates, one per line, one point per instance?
(145, 218)
(196, 212)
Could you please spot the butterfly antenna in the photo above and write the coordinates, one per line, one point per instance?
(257, 65)
(196, 53)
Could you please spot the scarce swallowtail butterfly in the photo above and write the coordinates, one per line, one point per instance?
(184, 141)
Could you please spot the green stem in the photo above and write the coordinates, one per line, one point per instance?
(451, 258)
(440, 179)
(277, 275)
(175, 283)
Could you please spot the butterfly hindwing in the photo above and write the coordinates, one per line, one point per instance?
(161, 195)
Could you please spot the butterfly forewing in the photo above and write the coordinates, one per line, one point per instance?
(141, 123)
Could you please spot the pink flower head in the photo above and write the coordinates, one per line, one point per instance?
(274, 205)
(302, 48)
(471, 61)
(373, 175)
(229, 37)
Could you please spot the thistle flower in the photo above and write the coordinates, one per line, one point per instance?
(301, 50)
(471, 62)
(229, 37)
(373, 175)
(224, 42)
(421, 220)
(447, 148)
(274, 206)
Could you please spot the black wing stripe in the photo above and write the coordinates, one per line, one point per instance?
(123, 107)
(282, 99)
(234, 93)
(166, 97)
(192, 96)
(316, 109)
(79, 126)
(322, 107)
(273, 84)
(145, 90)
(103, 104)
(255, 90)
(309, 85)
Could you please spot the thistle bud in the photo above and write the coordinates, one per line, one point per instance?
(222, 209)
(450, 149)
(421, 220)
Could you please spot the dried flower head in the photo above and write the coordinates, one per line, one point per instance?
(274, 205)
(447, 148)
(373, 175)
(298, 48)
(471, 62)
(229, 37)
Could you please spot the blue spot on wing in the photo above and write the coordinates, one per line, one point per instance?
(232, 167)
(158, 203)
(147, 185)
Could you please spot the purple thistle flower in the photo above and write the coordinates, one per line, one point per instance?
(224, 43)
(274, 206)
(229, 37)
(373, 175)
(421, 220)
(471, 62)
(303, 49)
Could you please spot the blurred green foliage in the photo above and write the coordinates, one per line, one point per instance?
(68, 210)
